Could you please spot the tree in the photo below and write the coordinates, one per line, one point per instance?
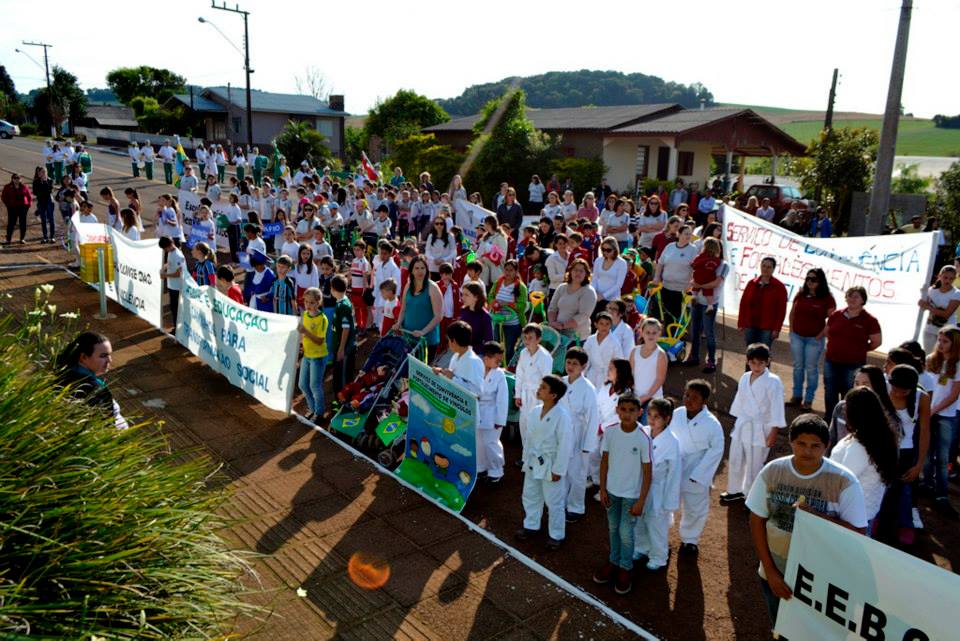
(299, 141)
(7, 88)
(421, 152)
(840, 162)
(151, 82)
(67, 101)
(910, 181)
(354, 143)
(948, 200)
(402, 115)
(101, 95)
(506, 146)
(313, 84)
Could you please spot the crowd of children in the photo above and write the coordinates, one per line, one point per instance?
(343, 261)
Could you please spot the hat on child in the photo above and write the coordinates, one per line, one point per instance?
(257, 257)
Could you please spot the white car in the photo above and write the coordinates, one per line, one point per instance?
(8, 130)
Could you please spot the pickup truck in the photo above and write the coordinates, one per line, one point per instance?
(780, 198)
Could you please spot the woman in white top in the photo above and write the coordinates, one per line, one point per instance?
(652, 222)
(457, 190)
(609, 272)
(553, 207)
(869, 450)
(569, 207)
(536, 190)
(674, 270)
(441, 247)
(944, 363)
(648, 362)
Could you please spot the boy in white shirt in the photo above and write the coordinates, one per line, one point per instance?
(86, 212)
(320, 245)
(466, 368)
(625, 473)
(147, 156)
(653, 527)
(174, 265)
(581, 403)
(701, 449)
(389, 305)
(492, 414)
(132, 150)
(535, 362)
(758, 406)
(601, 348)
(167, 154)
(384, 268)
(546, 454)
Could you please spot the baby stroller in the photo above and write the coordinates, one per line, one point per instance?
(372, 413)
(552, 341)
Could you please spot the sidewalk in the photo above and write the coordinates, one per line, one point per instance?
(308, 504)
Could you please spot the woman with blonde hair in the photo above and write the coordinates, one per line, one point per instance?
(943, 415)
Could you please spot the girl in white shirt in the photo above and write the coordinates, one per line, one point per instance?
(648, 362)
(553, 206)
(129, 224)
(307, 274)
(869, 450)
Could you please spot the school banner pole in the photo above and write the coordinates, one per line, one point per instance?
(101, 268)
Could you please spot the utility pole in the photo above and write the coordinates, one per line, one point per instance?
(246, 64)
(46, 68)
(828, 124)
(882, 175)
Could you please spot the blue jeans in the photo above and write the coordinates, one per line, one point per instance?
(45, 212)
(805, 351)
(942, 432)
(837, 381)
(756, 335)
(511, 334)
(621, 525)
(699, 320)
(311, 382)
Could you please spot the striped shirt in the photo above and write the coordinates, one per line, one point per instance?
(205, 273)
(284, 292)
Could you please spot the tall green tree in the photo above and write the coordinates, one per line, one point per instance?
(840, 162)
(403, 114)
(948, 200)
(299, 141)
(67, 100)
(421, 152)
(7, 88)
(150, 82)
(506, 146)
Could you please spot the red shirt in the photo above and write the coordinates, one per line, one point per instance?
(660, 241)
(579, 252)
(810, 314)
(763, 306)
(235, 294)
(847, 338)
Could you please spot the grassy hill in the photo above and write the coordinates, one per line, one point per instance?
(915, 137)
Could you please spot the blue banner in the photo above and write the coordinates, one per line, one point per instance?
(440, 454)
(272, 229)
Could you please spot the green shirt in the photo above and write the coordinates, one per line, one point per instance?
(260, 163)
(343, 321)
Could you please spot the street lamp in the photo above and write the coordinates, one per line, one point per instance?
(246, 58)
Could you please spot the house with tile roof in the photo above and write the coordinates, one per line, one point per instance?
(223, 111)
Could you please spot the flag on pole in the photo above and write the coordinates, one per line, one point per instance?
(276, 164)
(178, 164)
(371, 173)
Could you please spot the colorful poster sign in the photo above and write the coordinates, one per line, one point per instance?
(847, 586)
(469, 217)
(894, 269)
(440, 453)
(255, 350)
(190, 203)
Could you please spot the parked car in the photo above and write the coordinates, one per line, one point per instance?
(8, 130)
(780, 198)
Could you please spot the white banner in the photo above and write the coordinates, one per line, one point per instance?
(190, 203)
(894, 270)
(137, 285)
(846, 586)
(137, 265)
(469, 217)
(256, 351)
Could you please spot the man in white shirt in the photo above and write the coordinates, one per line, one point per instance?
(701, 446)
(167, 154)
(466, 368)
(134, 152)
(146, 155)
(546, 455)
(581, 403)
(766, 212)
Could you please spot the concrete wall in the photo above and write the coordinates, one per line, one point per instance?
(904, 206)
(620, 156)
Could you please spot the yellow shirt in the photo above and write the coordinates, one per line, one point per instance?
(316, 325)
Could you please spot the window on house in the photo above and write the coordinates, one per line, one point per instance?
(236, 125)
(643, 157)
(685, 163)
(325, 127)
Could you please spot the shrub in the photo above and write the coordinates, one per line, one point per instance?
(586, 173)
(102, 533)
(298, 141)
(28, 129)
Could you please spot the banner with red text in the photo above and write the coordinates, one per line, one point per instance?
(894, 269)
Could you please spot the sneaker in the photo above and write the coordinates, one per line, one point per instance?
(689, 549)
(310, 416)
(624, 582)
(553, 544)
(942, 505)
(523, 534)
(573, 517)
(731, 497)
(654, 567)
(605, 574)
(710, 368)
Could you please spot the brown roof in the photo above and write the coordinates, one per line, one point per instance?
(693, 124)
(567, 118)
(112, 115)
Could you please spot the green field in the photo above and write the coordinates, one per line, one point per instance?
(914, 137)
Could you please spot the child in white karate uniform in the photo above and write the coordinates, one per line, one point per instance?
(601, 348)
(546, 455)
(492, 414)
(581, 403)
(758, 407)
(535, 363)
(651, 536)
(701, 449)
(466, 368)
(620, 329)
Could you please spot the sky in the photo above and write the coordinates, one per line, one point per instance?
(770, 52)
